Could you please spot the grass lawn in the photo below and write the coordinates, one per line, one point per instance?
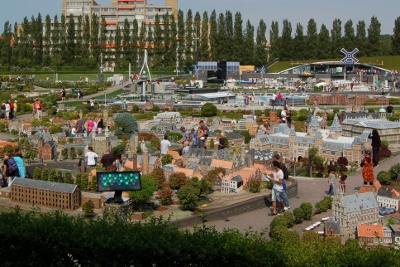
(71, 76)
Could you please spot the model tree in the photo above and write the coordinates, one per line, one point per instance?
(209, 110)
(177, 180)
(37, 174)
(68, 178)
(78, 180)
(85, 182)
(148, 188)
(45, 174)
(127, 125)
(53, 175)
(59, 176)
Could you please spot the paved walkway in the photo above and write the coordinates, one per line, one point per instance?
(309, 190)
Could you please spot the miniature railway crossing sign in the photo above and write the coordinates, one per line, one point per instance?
(349, 58)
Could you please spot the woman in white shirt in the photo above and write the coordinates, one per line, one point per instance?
(73, 131)
(91, 157)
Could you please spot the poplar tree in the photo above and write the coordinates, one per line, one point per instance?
(5, 44)
(174, 40)
(286, 44)
(349, 37)
(63, 40)
(374, 37)
(181, 37)
(47, 41)
(94, 38)
(38, 37)
(323, 51)
(249, 44)
(261, 45)
(134, 48)
(336, 39)
(204, 52)
(103, 40)
(239, 49)
(396, 38)
(221, 42)
(16, 49)
(197, 34)
(361, 39)
(86, 49)
(126, 45)
(79, 42)
(213, 35)
(274, 40)
(299, 44)
(189, 47)
(118, 49)
(311, 40)
(70, 45)
(167, 51)
(158, 42)
(229, 40)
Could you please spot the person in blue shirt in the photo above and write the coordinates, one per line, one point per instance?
(21, 165)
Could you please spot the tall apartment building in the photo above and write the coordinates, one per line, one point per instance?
(119, 10)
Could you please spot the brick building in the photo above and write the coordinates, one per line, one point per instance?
(46, 194)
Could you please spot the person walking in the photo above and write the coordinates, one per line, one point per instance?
(165, 146)
(107, 160)
(91, 157)
(342, 183)
(100, 125)
(221, 141)
(368, 169)
(285, 171)
(37, 107)
(389, 110)
(91, 104)
(62, 94)
(202, 134)
(277, 188)
(21, 165)
(376, 146)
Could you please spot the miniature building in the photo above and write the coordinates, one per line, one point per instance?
(352, 210)
(395, 228)
(234, 185)
(368, 233)
(332, 229)
(388, 199)
(46, 194)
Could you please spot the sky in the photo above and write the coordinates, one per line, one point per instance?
(295, 11)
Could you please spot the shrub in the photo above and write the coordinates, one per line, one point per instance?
(188, 196)
(289, 217)
(158, 175)
(166, 195)
(307, 210)
(88, 209)
(177, 180)
(209, 110)
(384, 178)
(298, 214)
(255, 185)
(166, 159)
(395, 171)
(276, 222)
(68, 178)
(324, 204)
(45, 174)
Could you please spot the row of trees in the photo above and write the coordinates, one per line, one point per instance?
(190, 38)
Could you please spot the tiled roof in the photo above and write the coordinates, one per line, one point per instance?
(222, 163)
(370, 230)
(186, 171)
(359, 202)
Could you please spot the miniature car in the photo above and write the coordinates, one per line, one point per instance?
(386, 211)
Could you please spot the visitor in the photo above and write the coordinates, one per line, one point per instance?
(91, 157)
(273, 100)
(73, 131)
(289, 118)
(279, 97)
(90, 125)
(195, 139)
(91, 104)
(342, 183)
(7, 110)
(368, 169)
(277, 188)
(331, 182)
(62, 94)
(165, 146)
(100, 125)
(283, 116)
(185, 149)
(118, 163)
(107, 160)
(202, 134)
(185, 135)
(37, 108)
(21, 166)
(80, 126)
(221, 141)
(8, 172)
(285, 171)
(376, 146)
(389, 110)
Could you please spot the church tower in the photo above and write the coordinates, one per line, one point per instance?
(145, 165)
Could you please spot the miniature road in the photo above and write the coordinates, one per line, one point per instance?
(310, 190)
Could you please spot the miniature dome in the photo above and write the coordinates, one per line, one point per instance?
(382, 110)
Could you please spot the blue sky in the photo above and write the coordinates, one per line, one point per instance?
(296, 11)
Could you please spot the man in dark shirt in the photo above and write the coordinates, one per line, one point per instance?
(389, 110)
(107, 160)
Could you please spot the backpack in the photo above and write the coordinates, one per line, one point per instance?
(284, 170)
(284, 185)
(12, 165)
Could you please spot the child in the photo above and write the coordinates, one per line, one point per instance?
(342, 182)
(331, 182)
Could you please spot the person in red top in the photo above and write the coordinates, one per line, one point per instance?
(37, 108)
(279, 97)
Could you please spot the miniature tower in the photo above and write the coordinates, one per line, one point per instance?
(134, 159)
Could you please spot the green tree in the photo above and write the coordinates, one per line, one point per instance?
(37, 174)
(349, 37)
(158, 42)
(188, 197)
(213, 36)
(68, 178)
(63, 39)
(127, 124)
(276, 222)
(158, 175)
(93, 184)
(374, 37)
(85, 182)
(286, 42)
(189, 40)
(299, 43)
(209, 110)
(53, 175)
(70, 45)
(118, 48)
(396, 37)
(78, 45)
(45, 174)
(60, 178)
(336, 39)
(177, 180)
(248, 58)
(311, 40)
(197, 35)
(166, 159)
(30, 155)
(88, 209)
(261, 44)
(289, 217)
(274, 40)
(323, 43)
(86, 40)
(255, 185)
(361, 39)
(94, 37)
(204, 52)
(148, 188)
(78, 180)
(72, 153)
